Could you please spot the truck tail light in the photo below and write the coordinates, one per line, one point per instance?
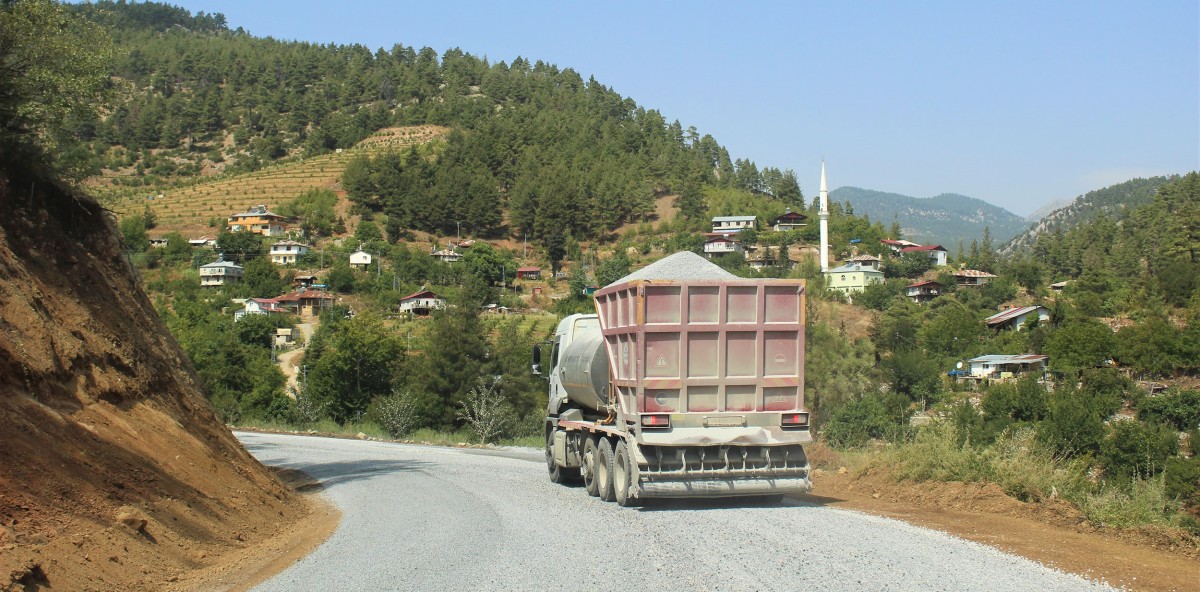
(656, 421)
(795, 420)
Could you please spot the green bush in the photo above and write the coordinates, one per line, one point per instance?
(1136, 449)
(871, 417)
(1182, 479)
(1178, 408)
(1073, 423)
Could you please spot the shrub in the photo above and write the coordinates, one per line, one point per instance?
(1178, 408)
(1073, 425)
(1134, 503)
(487, 413)
(397, 413)
(858, 421)
(1136, 449)
(1182, 480)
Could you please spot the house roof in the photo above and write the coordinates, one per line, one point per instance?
(306, 295)
(421, 294)
(222, 263)
(973, 273)
(1002, 359)
(1007, 315)
(529, 269)
(854, 267)
(288, 243)
(446, 253)
(720, 238)
(922, 284)
(791, 216)
(898, 242)
(734, 218)
(863, 258)
(257, 212)
(1061, 284)
(922, 248)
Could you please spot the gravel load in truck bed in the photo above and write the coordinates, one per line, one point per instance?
(684, 265)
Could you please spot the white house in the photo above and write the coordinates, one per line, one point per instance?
(1015, 318)
(422, 303)
(220, 273)
(447, 256)
(897, 244)
(360, 259)
(935, 252)
(789, 220)
(1003, 367)
(287, 252)
(866, 261)
(258, 306)
(719, 245)
(731, 224)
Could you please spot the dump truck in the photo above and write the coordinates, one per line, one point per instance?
(686, 382)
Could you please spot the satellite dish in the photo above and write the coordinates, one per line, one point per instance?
(959, 365)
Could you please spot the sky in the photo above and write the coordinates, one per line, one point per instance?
(1018, 103)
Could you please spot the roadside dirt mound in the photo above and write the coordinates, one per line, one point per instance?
(114, 471)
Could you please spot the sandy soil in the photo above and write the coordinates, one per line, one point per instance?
(1053, 534)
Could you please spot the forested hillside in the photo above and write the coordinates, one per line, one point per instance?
(1110, 201)
(536, 149)
(948, 219)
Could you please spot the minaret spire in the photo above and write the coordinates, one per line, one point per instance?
(824, 220)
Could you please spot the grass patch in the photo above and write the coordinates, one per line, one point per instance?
(372, 430)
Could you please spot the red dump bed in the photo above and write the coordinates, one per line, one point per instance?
(705, 346)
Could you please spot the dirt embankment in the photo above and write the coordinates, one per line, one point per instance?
(114, 471)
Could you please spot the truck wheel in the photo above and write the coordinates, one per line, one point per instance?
(604, 470)
(589, 467)
(557, 473)
(623, 476)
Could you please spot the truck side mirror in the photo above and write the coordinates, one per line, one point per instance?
(537, 360)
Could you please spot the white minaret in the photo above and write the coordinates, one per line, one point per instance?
(824, 220)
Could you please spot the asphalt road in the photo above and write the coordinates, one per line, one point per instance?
(426, 518)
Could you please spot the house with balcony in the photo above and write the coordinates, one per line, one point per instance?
(446, 256)
(220, 273)
(789, 220)
(721, 244)
(529, 273)
(258, 306)
(972, 277)
(866, 260)
(732, 224)
(259, 220)
(287, 252)
(923, 291)
(422, 303)
(307, 302)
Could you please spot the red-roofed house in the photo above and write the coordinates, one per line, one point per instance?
(935, 252)
(896, 245)
(923, 291)
(422, 303)
(307, 303)
(1015, 318)
(529, 273)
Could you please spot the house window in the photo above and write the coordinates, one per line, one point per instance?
(843, 278)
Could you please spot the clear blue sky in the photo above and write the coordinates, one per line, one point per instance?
(1017, 102)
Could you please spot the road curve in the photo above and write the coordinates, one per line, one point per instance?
(427, 518)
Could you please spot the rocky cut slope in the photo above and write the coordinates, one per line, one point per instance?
(114, 471)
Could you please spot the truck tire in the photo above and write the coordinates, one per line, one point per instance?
(589, 467)
(557, 474)
(604, 470)
(623, 474)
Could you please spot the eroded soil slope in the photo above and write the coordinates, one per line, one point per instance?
(114, 471)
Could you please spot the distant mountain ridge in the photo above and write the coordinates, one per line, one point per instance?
(945, 219)
(1111, 200)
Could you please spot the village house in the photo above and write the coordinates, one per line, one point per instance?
(923, 291)
(719, 245)
(865, 260)
(422, 303)
(851, 278)
(158, 242)
(972, 277)
(360, 260)
(935, 252)
(897, 245)
(258, 306)
(204, 241)
(304, 281)
(1000, 367)
(732, 224)
(1016, 317)
(529, 273)
(259, 220)
(306, 303)
(446, 255)
(285, 337)
(789, 220)
(287, 252)
(1059, 286)
(220, 273)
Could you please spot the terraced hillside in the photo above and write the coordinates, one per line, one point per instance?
(190, 209)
